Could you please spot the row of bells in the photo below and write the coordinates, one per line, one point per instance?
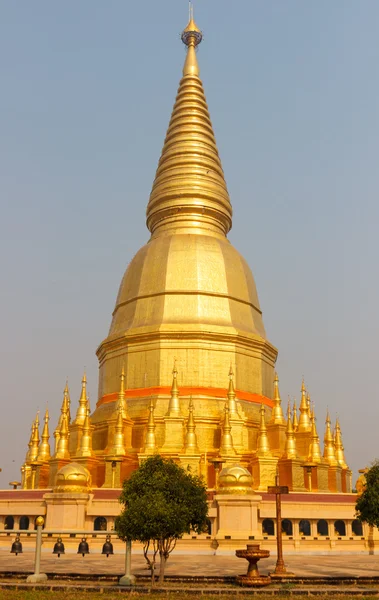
(59, 549)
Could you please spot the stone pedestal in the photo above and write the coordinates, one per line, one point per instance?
(263, 470)
(173, 435)
(334, 479)
(191, 461)
(237, 515)
(291, 473)
(276, 437)
(66, 510)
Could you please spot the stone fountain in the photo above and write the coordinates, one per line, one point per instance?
(253, 554)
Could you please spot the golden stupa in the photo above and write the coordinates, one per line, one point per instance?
(187, 369)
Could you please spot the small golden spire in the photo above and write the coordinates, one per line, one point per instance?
(189, 190)
(329, 449)
(121, 395)
(62, 445)
(226, 446)
(314, 447)
(309, 405)
(118, 448)
(35, 440)
(85, 449)
(295, 422)
(44, 449)
(30, 444)
(174, 404)
(263, 446)
(277, 417)
(150, 443)
(190, 446)
(305, 424)
(232, 404)
(339, 449)
(67, 393)
(65, 410)
(82, 410)
(290, 448)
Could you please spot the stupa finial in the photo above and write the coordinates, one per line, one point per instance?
(44, 449)
(290, 448)
(174, 404)
(82, 409)
(277, 417)
(263, 446)
(191, 35)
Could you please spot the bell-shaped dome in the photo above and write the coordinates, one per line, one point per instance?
(73, 478)
(187, 280)
(235, 480)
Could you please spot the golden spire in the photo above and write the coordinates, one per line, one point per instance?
(65, 410)
(339, 449)
(190, 446)
(277, 416)
(118, 448)
(295, 422)
(189, 190)
(232, 404)
(314, 447)
(290, 448)
(30, 443)
(263, 446)
(309, 405)
(44, 449)
(150, 443)
(62, 443)
(82, 410)
(305, 424)
(35, 440)
(67, 393)
(174, 404)
(226, 446)
(85, 449)
(329, 449)
(121, 395)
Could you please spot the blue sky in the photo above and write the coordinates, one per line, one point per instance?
(87, 91)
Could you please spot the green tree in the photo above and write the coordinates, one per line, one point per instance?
(161, 501)
(367, 505)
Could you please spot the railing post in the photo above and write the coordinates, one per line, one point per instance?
(128, 579)
(37, 577)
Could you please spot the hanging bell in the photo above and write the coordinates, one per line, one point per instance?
(58, 547)
(83, 547)
(16, 546)
(108, 546)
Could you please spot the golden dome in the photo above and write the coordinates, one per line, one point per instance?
(189, 280)
(73, 478)
(235, 480)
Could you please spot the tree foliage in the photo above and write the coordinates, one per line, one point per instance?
(161, 501)
(367, 505)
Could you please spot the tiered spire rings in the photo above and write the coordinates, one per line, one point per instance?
(189, 190)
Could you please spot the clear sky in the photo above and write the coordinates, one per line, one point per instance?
(87, 90)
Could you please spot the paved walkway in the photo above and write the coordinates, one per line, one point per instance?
(193, 565)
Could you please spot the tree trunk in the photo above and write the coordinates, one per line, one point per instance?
(162, 566)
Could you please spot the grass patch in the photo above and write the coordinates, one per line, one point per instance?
(109, 595)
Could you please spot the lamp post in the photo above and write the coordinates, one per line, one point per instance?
(278, 490)
(128, 579)
(38, 577)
